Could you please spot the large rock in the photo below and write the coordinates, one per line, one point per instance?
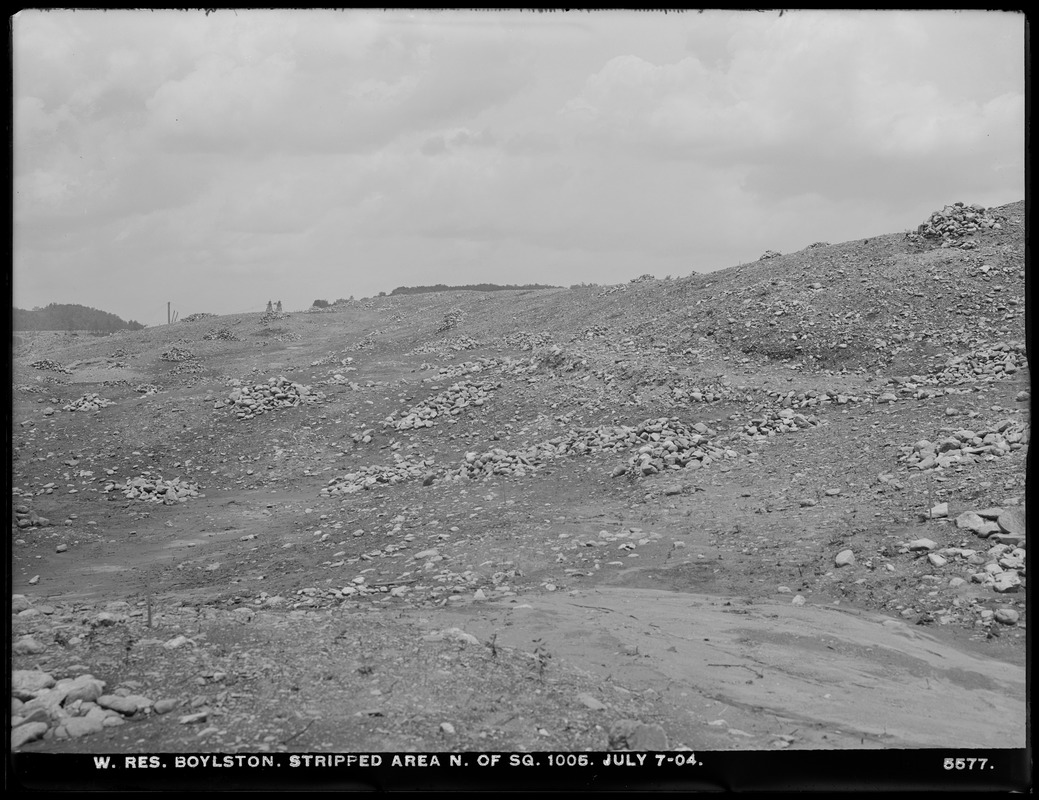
(1012, 520)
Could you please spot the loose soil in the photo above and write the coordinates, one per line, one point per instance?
(553, 610)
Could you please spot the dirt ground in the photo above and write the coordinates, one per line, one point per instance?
(561, 609)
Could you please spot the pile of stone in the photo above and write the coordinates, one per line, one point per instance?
(984, 364)
(146, 388)
(459, 370)
(196, 317)
(450, 402)
(811, 398)
(523, 340)
(339, 379)
(157, 490)
(42, 707)
(966, 446)
(596, 331)
(785, 420)
(225, 334)
(367, 342)
(705, 392)
(667, 445)
(953, 223)
(462, 343)
(642, 278)
(333, 358)
(192, 367)
(88, 402)
(25, 517)
(558, 360)
(53, 366)
(379, 475)
(119, 353)
(452, 319)
(174, 353)
(267, 317)
(663, 444)
(769, 254)
(115, 382)
(251, 401)
(1002, 565)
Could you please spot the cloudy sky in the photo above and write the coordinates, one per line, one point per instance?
(219, 161)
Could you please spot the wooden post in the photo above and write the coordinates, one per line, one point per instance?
(168, 312)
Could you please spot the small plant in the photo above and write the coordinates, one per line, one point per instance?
(541, 657)
(494, 646)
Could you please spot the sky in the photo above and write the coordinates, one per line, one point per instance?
(215, 162)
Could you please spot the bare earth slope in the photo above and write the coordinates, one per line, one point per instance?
(778, 506)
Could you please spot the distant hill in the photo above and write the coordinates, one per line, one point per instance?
(70, 317)
(473, 287)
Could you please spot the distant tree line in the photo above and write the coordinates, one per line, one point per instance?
(473, 287)
(71, 317)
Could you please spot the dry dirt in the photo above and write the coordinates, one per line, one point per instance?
(563, 609)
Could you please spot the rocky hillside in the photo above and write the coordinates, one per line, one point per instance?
(211, 518)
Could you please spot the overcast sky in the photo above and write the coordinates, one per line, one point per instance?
(219, 161)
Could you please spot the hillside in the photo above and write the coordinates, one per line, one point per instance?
(263, 527)
(70, 317)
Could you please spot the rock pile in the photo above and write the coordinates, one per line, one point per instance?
(196, 317)
(146, 388)
(984, 364)
(953, 223)
(556, 359)
(26, 517)
(42, 707)
(221, 333)
(251, 401)
(456, 345)
(462, 343)
(88, 402)
(367, 342)
(523, 340)
(705, 392)
(642, 278)
(811, 398)
(965, 446)
(663, 444)
(333, 358)
(1002, 565)
(452, 319)
(378, 475)
(174, 353)
(784, 420)
(157, 490)
(450, 402)
(769, 254)
(47, 364)
(667, 444)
